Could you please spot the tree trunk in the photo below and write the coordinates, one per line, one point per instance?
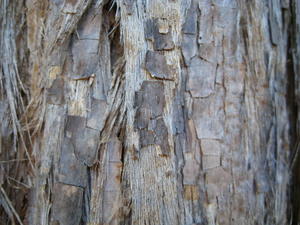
(150, 112)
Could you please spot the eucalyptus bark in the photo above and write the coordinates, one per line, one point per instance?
(150, 112)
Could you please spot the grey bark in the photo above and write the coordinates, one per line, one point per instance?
(150, 112)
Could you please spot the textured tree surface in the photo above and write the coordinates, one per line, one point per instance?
(150, 112)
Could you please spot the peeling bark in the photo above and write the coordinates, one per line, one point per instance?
(149, 112)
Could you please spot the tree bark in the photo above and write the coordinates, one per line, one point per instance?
(150, 112)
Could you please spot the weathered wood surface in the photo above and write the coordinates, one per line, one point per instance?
(150, 112)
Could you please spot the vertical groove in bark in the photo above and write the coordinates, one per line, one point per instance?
(294, 56)
(149, 112)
